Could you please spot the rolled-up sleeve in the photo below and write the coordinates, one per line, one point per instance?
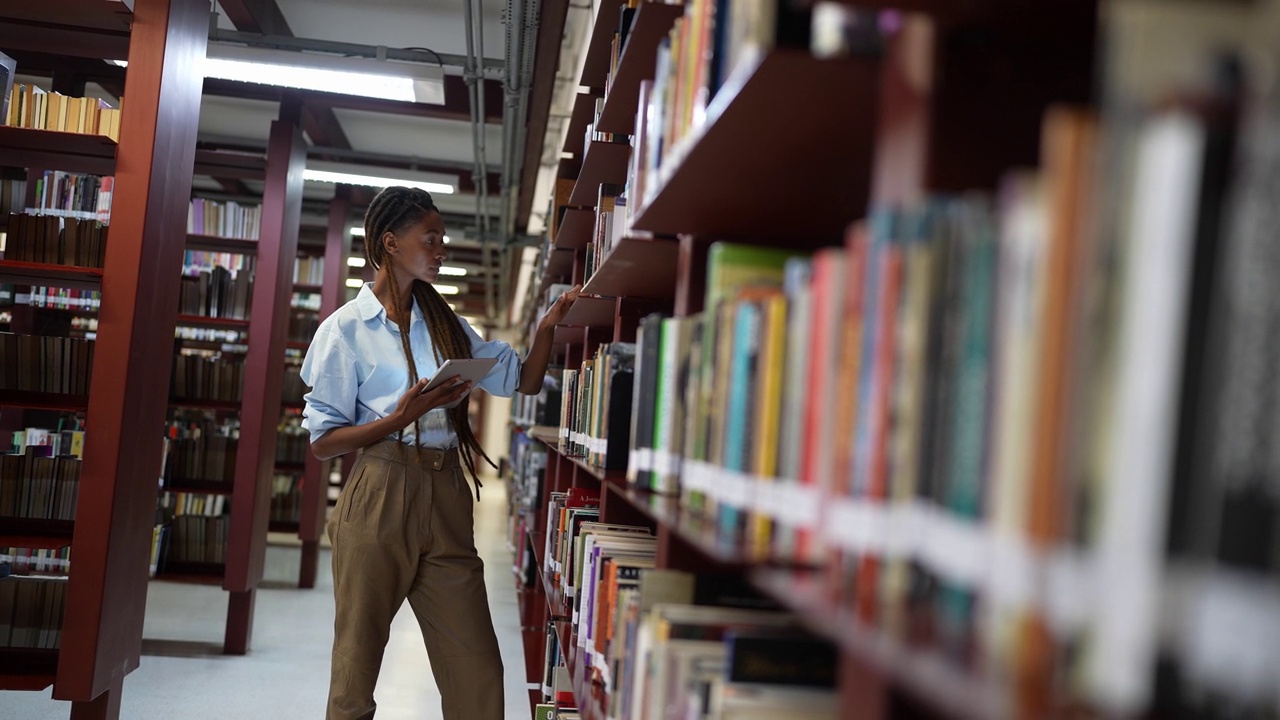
(504, 378)
(330, 370)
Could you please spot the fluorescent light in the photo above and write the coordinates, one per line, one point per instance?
(355, 283)
(367, 77)
(326, 176)
(454, 271)
(357, 232)
(448, 289)
(356, 262)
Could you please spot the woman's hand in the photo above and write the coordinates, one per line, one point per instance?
(415, 403)
(555, 314)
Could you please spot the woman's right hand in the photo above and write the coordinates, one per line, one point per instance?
(415, 403)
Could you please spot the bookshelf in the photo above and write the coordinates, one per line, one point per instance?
(29, 273)
(769, 165)
(152, 164)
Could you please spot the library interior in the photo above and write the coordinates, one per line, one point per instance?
(904, 359)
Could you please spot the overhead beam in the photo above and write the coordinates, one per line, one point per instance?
(234, 186)
(455, 107)
(258, 16)
(545, 64)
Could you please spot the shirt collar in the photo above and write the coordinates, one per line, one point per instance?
(370, 307)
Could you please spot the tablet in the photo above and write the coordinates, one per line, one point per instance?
(471, 369)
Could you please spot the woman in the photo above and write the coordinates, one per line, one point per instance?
(402, 528)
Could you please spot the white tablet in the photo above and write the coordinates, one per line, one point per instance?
(470, 370)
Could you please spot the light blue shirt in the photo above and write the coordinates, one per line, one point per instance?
(357, 371)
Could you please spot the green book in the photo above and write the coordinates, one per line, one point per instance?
(731, 267)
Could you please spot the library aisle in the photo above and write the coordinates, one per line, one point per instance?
(286, 674)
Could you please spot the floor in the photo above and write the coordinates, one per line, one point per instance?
(285, 676)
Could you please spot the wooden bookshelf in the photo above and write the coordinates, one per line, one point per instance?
(575, 229)
(208, 487)
(213, 243)
(36, 533)
(73, 152)
(652, 22)
(637, 268)
(769, 100)
(204, 321)
(604, 162)
(112, 532)
(297, 345)
(595, 64)
(69, 276)
(584, 106)
(44, 401)
(591, 311)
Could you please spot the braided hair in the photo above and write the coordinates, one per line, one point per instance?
(394, 210)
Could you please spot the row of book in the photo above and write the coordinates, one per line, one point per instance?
(59, 442)
(224, 219)
(308, 270)
(179, 504)
(286, 497)
(292, 389)
(233, 341)
(56, 240)
(34, 363)
(58, 298)
(31, 610)
(74, 195)
(30, 106)
(661, 643)
(39, 561)
(309, 302)
(217, 293)
(36, 484)
(293, 442)
(596, 406)
(527, 467)
(610, 213)
(204, 378)
(195, 539)
(303, 325)
(198, 448)
(13, 195)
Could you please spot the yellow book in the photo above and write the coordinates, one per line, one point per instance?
(61, 124)
(77, 443)
(768, 413)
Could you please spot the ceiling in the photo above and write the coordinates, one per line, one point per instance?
(355, 132)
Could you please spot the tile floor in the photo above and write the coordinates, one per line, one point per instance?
(183, 676)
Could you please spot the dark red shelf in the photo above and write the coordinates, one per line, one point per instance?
(637, 267)
(227, 405)
(604, 162)
(307, 288)
(213, 243)
(595, 67)
(584, 108)
(212, 322)
(297, 345)
(925, 674)
(111, 15)
(591, 311)
(27, 668)
(193, 573)
(43, 401)
(69, 276)
(210, 487)
(786, 97)
(652, 22)
(36, 533)
(74, 152)
(575, 229)
(559, 265)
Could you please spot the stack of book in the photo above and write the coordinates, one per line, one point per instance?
(303, 325)
(216, 285)
(56, 240)
(74, 195)
(596, 406)
(209, 505)
(35, 483)
(308, 270)
(58, 298)
(31, 107)
(198, 539)
(224, 219)
(200, 449)
(45, 364)
(286, 497)
(293, 442)
(610, 204)
(293, 389)
(31, 611)
(41, 561)
(206, 378)
(13, 195)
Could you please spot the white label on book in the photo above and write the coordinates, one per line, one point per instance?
(1012, 571)
(958, 549)
(633, 460)
(694, 477)
(661, 461)
(1068, 589)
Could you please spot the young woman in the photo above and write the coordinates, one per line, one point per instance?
(402, 528)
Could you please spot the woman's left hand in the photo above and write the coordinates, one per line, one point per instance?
(556, 313)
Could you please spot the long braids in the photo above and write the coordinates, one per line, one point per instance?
(393, 210)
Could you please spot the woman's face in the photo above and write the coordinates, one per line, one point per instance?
(419, 249)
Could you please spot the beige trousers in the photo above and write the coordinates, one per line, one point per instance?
(403, 529)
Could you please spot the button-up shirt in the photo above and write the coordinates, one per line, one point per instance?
(357, 370)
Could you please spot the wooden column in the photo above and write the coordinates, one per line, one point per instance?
(315, 488)
(260, 409)
(102, 630)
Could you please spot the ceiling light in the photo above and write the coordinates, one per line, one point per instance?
(453, 307)
(367, 77)
(356, 262)
(357, 232)
(325, 176)
(446, 239)
(454, 271)
(355, 283)
(448, 289)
